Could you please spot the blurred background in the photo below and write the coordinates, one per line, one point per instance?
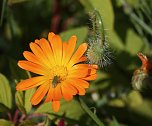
(128, 24)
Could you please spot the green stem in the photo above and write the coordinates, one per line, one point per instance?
(90, 113)
(128, 11)
(141, 23)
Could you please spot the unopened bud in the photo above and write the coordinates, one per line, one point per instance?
(142, 77)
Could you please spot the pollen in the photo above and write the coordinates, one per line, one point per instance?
(60, 72)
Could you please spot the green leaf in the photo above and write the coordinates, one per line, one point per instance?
(2, 11)
(128, 47)
(134, 43)
(14, 31)
(28, 123)
(105, 9)
(134, 99)
(114, 122)
(16, 72)
(80, 32)
(44, 108)
(142, 113)
(117, 103)
(3, 108)
(87, 4)
(47, 122)
(75, 111)
(10, 2)
(133, 3)
(116, 41)
(5, 92)
(28, 95)
(19, 97)
(4, 122)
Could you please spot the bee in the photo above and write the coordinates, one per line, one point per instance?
(55, 81)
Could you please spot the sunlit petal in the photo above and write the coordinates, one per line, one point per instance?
(70, 49)
(81, 90)
(50, 95)
(50, 36)
(32, 58)
(32, 67)
(56, 105)
(30, 83)
(40, 93)
(46, 48)
(39, 53)
(57, 93)
(77, 55)
(56, 45)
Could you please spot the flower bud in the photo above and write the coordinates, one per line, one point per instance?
(98, 51)
(142, 77)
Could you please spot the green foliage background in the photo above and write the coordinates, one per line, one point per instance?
(111, 97)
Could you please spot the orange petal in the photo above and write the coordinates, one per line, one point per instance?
(89, 66)
(40, 93)
(66, 91)
(39, 53)
(70, 88)
(81, 83)
(50, 94)
(80, 66)
(32, 67)
(57, 93)
(78, 73)
(56, 105)
(92, 71)
(81, 90)
(70, 49)
(46, 48)
(65, 46)
(78, 54)
(91, 77)
(32, 58)
(30, 83)
(67, 96)
(95, 66)
(56, 45)
(50, 36)
(82, 59)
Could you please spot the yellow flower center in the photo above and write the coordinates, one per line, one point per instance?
(59, 73)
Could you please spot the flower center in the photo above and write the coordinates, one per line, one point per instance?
(59, 73)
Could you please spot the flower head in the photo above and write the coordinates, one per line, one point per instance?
(62, 72)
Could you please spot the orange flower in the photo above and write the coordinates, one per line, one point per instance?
(62, 73)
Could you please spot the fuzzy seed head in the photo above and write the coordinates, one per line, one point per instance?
(99, 53)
